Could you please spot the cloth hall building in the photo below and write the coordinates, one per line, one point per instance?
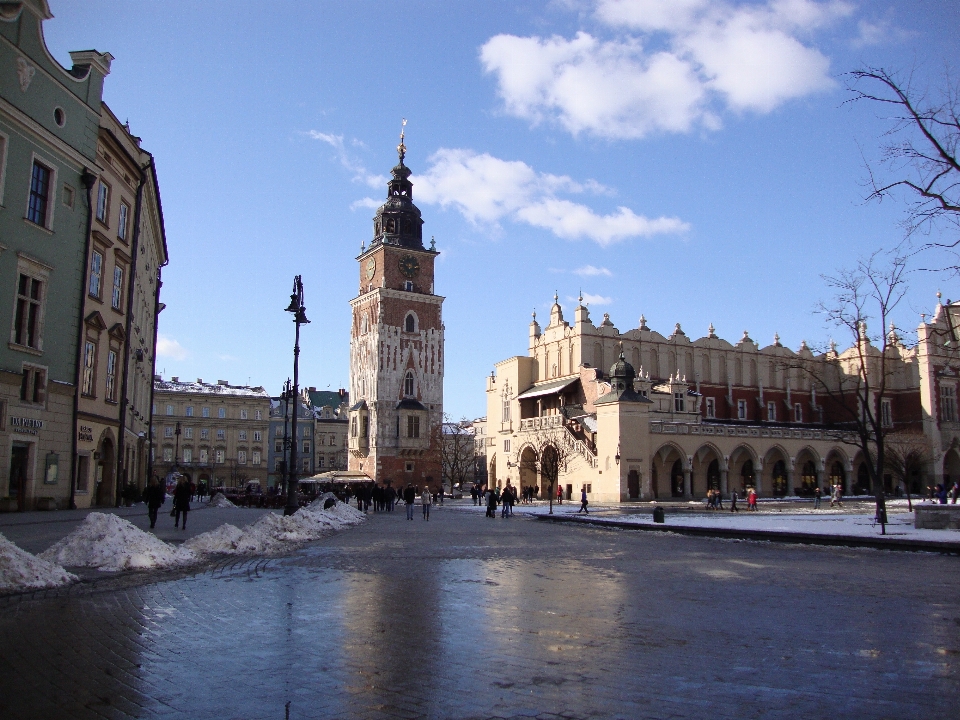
(638, 415)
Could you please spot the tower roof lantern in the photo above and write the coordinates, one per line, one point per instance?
(398, 220)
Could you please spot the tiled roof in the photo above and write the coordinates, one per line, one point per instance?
(202, 388)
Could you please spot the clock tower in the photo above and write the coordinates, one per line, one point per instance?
(396, 347)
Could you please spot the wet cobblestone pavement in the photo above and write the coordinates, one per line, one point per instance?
(467, 617)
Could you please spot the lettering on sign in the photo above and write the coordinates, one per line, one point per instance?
(85, 433)
(26, 426)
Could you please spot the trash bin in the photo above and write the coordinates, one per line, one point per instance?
(658, 514)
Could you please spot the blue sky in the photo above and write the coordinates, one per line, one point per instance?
(693, 161)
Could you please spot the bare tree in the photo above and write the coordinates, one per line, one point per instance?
(456, 449)
(920, 155)
(553, 452)
(855, 385)
(906, 454)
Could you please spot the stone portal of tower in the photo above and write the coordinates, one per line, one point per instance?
(396, 347)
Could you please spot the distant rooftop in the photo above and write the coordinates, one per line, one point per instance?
(222, 387)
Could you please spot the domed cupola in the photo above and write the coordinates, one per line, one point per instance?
(398, 221)
(622, 374)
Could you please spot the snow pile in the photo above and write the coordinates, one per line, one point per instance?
(220, 501)
(222, 540)
(272, 532)
(111, 543)
(323, 500)
(20, 570)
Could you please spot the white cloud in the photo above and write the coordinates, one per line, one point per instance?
(366, 202)
(168, 347)
(710, 55)
(360, 173)
(486, 189)
(589, 299)
(591, 271)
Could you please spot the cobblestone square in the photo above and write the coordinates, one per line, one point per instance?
(464, 616)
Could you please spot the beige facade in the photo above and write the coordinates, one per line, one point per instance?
(687, 415)
(223, 431)
(126, 249)
(330, 437)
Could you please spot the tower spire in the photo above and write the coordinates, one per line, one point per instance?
(401, 148)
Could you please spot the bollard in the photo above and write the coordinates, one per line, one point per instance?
(658, 514)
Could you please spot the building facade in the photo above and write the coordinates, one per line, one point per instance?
(330, 411)
(55, 131)
(281, 427)
(674, 416)
(216, 434)
(120, 299)
(396, 346)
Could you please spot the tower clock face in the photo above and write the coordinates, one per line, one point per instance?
(409, 265)
(371, 268)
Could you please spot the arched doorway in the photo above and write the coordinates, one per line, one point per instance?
(713, 475)
(778, 479)
(808, 477)
(492, 472)
(838, 476)
(676, 479)
(863, 480)
(653, 481)
(748, 478)
(105, 492)
(951, 469)
(528, 468)
(633, 485)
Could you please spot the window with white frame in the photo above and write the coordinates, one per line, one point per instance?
(255, 457)
(168, 431)
(241, 434)
(319, 461)
(306, 446)
(168, 454)
(117, 295)
(243, 413)
(678, 404)
(188, 455)
(88, 378)
(277, 464)
(204, 456)
(797, 412)
(220, 456)
(169, 409)
(771, 411)
(257, 436)
(204, 434)
(42, 179)
(278, 446)
(241, 457)
(221, 413)
(205, 412)
(221, 434)
(111, 376)
(408, 384)
(188, 433)
(886, 413)
(189, 412)
(741, 409)
(259, 415)
(413, 426)
(103, 202)
(122, 225)
(96, 273)
(278, 431)
(506, 445)
(711, 408)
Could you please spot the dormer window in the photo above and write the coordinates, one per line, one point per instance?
(408, 384)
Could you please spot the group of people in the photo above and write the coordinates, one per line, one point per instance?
(155, 496)
(940, 494)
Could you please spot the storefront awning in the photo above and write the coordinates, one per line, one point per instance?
(547, 388)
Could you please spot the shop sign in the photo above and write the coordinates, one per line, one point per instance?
(85, 434)
(26, 426)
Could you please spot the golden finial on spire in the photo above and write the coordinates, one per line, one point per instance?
(401, 148)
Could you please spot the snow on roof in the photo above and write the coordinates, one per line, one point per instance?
(202, 388)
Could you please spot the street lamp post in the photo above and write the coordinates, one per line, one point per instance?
(285, 396)
(299, 311)
(176, 452)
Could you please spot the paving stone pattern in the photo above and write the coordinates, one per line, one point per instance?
(468, 617)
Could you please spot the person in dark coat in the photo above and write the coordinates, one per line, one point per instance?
(181, 501)
(409, 497)
(154, 497)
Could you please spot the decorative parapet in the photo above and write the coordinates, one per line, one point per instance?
(680, 428)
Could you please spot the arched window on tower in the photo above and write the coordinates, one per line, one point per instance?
(410, 324)
(408, 384)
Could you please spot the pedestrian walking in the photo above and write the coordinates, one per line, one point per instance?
(954, 493)
(181, 501)
(154, 497)
(733, 502)
(491, 500)
(836, 498)
(425, 500)
(583, 501)
(752, 500)
(816, 499)
(718, 497)
(409, 497)
(559, 495)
